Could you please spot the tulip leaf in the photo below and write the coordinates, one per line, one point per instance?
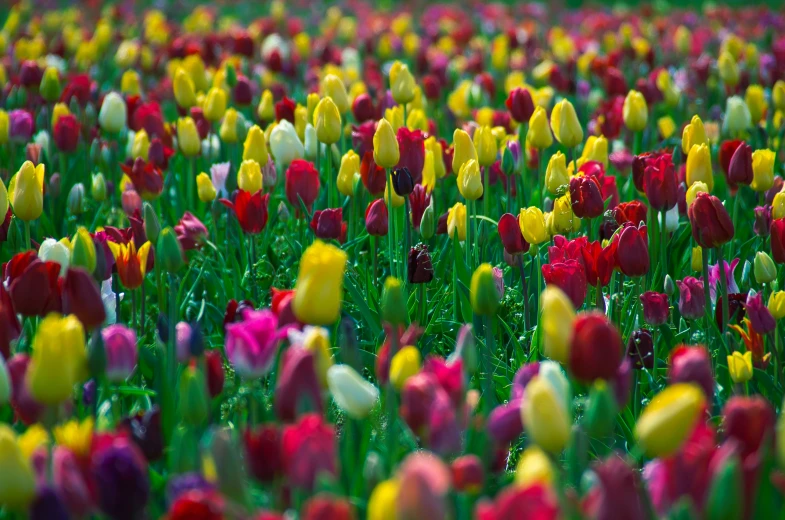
(370, 317)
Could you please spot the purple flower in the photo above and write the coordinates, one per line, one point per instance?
(191, 233)
(655, 307)
(20, 125)
(121, 352)
(522, 378)
(760, 318)
(120, 474)
(714, 278)
(48, 505)
(692, 299)
(183, 331)
(515, 150)
(297, 388)
(252, 343)
(505, 423)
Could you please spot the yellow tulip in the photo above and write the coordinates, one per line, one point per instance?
(464, 149)
(141, 145)
(669, 92)
(755, 98)
(333, 87)
(692, 191)
(556, 176)
(401, 83)
(778, 95)
(385, 145)
(778, 206)
(255, 146)
(266, 108)
(249, 177)
(699, 166)
(694, 133)
(596, 149)
(435, 147)
(228, 130)
(319, 287)
(470, 181)
(395, 116)
(558, 315)
(4, 126)
(485, 146)
(539, 135)
(83, 252)
(762, 170)
(563, 219)
(534, 467)
(59, 110)
(383, 503)
(348, 172)
(310, 105)
(76, 436)
(417, 120)
(214, 105)
(403, 365)
(738, 118)
(17, 481)
(204, 188)
(635, 112)
(456, 221)
(532, 223)
(740, 366)
(696, 259)
(565, 124)
(317, 341)
(113, 115)
(669, 418)
(59, 359)
(545, 415)
(777, 304)
(188, 137)
(184, 90)
(129, 83)
(729, 71)
(327, 121)
(666, 126)
(26, 191)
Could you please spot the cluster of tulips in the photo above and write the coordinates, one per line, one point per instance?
(440, 262)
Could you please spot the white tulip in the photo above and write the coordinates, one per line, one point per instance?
(353, 394)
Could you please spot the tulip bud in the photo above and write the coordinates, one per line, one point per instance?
(508, 162)
(420, 268)
(669, 286)
(97, 188)
(193, 397)
(403, 365)
(765, 269)
(484, 295)
(151, 226)
(96, 356)
(635, 111)
(601, 413)
(76, 199)
(402, 182)
(394, 309)
(113, 114)
(669, 418)
(385, 145)
(427, 224)
(168, 251)
(83, 252)
(565, 124)
(50, 85)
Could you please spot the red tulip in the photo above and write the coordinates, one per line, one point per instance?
(328, 224)
(432, 87)
(302, 182)
(520, 104)
(468, 475)
(596, 349)
(655, 307)
(374, 177)
(778, 240)
(586, 196)
(615, 84)
(510, 234)
(216, 376)
(308, 449)
(284, 109)
(78, 86)
(325, 507)
(727, 149)
(26, 408)
(563, 249)
(10, 328)
(411, 144)
(148, 116)
(147, 179)
(568, 276)
(634, 211)
(251, 210)
(190, 232)
(711, 224)
(536, 501)
(159, 154)
(419, 199)
(692, 302)
(740, 167)
(762, 225)
(632, 252)
(242, 92)
(263, 452)
(617, 493)
(692, 364)
(598, 262)
(297, 387)
(33, 285)
(362, 137)
(66, 133)
(749, 421)
(639, 164)
(376, 218)
(363, 109)
(203, 126)
(82, 297)
(196, 504)
(660, 183)
(417, 395)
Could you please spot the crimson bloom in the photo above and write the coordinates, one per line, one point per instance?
(520, 104)
(197, 504)
(263, 452)
(778, 240)
(284, 109)
(692, 364)
(10, 328)
(711, 224)
(147, 179)
(511, 236)
(598, 262)
(376, 218)
(727, 149)
(568, 276)
(66, 133)
(34, 285)
(373, 176)
(251, 210)
(328, 224)
(419, 199)
(660, 182)
(302, 183)
(363, 109)
(740, 167)
(596, 349)
(308, 449)
(655, 307)
(634, 211)
(632, 252)
(586, 196)
(411, 144)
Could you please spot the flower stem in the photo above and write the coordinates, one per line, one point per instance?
(390, 224)
(490, 347)
(28, 245)
(707, 295)
(663, 246)
(329, 177)
(526, 311)
(724, 289)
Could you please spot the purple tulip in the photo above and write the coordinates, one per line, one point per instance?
(121, 352)
(655, 307)
(122, 485)
(692, 300)
(20, 125)
(760, 318)
(505, 423)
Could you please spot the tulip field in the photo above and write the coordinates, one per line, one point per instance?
(395, 261)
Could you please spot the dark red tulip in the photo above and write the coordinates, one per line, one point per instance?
(363, 108)
(660, 183)
(376, 218)
(308, 449)
(402, 182)
(692, 302)
(749, 421)
(148, 116)
(615, 84)
(520, 104)
(432, 87)
(655, 307)
(362, 137)
(634, 212)
(441, 224)
(147, 179)
(514, 502)
(326, 507)
(203, 126)
(468, 475)
(251, 210)
(711, 224)
(778, 240)
(762, 225)
(262, 445)
(78, 87)
(420, 268)
(328, 224)
(242, 92)
(760, 317)
(640, 349)
(639, 164)
(617, 493)
(30, 74)
(216, 376)
(374, 177)
(66, 133)
(598, 262)
(596, 348)
(196, 504)
(297, 387)
(632, 252)
(727, 149)
(144, 428)
(10, 328)
(82, 297)
(26, 408)
(33, 285)
(568, 276)
(586, 196)
(302, 182)
(411, 145)
(740, 167)
(417, 397)
(510, 234)
(419, 199)
(158, 155)
(284, 109)
(692, 364)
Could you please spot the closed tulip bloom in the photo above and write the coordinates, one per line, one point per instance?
(333, 87)
(699, 166)
(485, 145)
(484, 295)
(402, 84)
(385, 145)
(596, 348)
(327, 121)
(403, 365)
(691, 297)
(586, 196)
(556, 176)
(660, 183)
(692, 192)
(141, 145)
(353, 394)
(83, 253)
(249, 178)
(376, 221)
(285, 145)
(113, 114)
(17, 480)
(348, 172)
(4, 126)
(59, 359)
(255, 146)
(778, 208)
(755, 98)
(456, 221)
(532, 222)
(762, 170)
(26, 191)
(188, 137)
(470, 181)
(228, 129)
(740, 167)
(728, 70)
(764, 268)
(711, 224)
(121, 352)
(534, 467)
(214, 104)
(694, 133)
(319, 287)
(383, 501)
(669, 419)
(655, 307)
(635, 112)
(545, 415)
(184, 90)
(464, 149)
(520, 104)
(565, 124)
(511, 236)
(740, 366)
(204, 188)
(776, 304)
(558, 316)
(737, 116)
(632, 254)
(539, 134)
(596, 149)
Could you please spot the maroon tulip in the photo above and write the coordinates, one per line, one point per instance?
(82, 297)
(297, 387)
(191, 233)
(692, 364)
(363, 108)
(740, 168)
(30, 74)
(78, 86)
(468, 475)
(441, 224)
(504, 423)
(263, 452)
(284, 109)
(33, 285)
(711, 224)
(598, 262)
(639, 165)
(568, 276)
(760, 317)
(242, 93)
(216, 376)
(615, 84)
(328, 224)
(778, 240)
(420, 268)
(660, 183)
(202, 124)
(520, 104)
(510, 233)
(727, 150)
(158, 155)
(251, 210)
(655, 307)
(432, 87)
(374, 177)
(326, 507)
(617, 493)
(150, 117)
(419, 199)
(66, 133)
(632, 252)
(10, 328)
(692, 302)
(144, 428)
(762, 225)
(596, 348)
(749, 421)
(634, 212)
(302, 182)
(376, 218)
(308, 449)
(640, 349)
(586, 196)
(411, 144)
(736, 309)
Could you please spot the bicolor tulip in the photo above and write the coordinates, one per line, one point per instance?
(131, 263)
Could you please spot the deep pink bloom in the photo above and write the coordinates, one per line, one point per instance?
(302, 182)
(297, 387)
(655, 307)
(251, 344)
(692, 364)
(760, 317)
(536, 502)
(376, 218)
(308, 449)
(504, 423)
(121, 352)
(692, 302)
(632, 252)
(568, 276)
(190, 232)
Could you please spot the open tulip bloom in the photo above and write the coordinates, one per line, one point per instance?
(461, 261)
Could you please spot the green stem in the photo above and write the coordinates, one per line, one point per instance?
(171, 365)
(486, 193)
(526, 311)
(538, 274)
(707, 294)
(28, 244)
(329, 177)
(390, 224)
(490, 348)
(663, 247)
(191, 181)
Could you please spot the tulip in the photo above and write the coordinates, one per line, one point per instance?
(569, 276)
(519, 103)
(348, 172)
(327, 121)
(382, 503)
(302, 183)
(26, 191)
(596, 348)
(66, 133)
(511, 236)
(532, 222)
(556, 175)
(696, 259)
(545, 415)
(699, 166)
(456, 221)
(762, 225)
(565, 124)
(333, 87)
(484, 296)
(764, 269)
(403, 365)
(353, 394)
(586, 197)
(113, 114)
(655, 307)
(229, 126)
(50, 85)
(691, 364)
(776, 304)
(759, 316)
(251, 210)
(762, 170)
(385, 145)
(778, 206)
(691, 298)
(119, 464)
(121, 352)
(740, 366)
(464, 149)
(308, 449)
(402, 83)
(141, 145)
(131, 264)
(59, 359)
(214, 104)
(740, 168)
(635, 111)
(184, 90)
(169, 251)
(17, 481)
(435, 147)
(204, 188)
(4, 126)
(669, 418)
(470, 181)
(755, 98)
(328, 224)
(249, 177)
(728, 70)
(255, 146)
(692, 192)
(711, 224)
(319, 287)
(188, 137)
(632, 253)
(558, 315)
(263, 452)
(737, 116)
(485, 146)
(376, 220)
